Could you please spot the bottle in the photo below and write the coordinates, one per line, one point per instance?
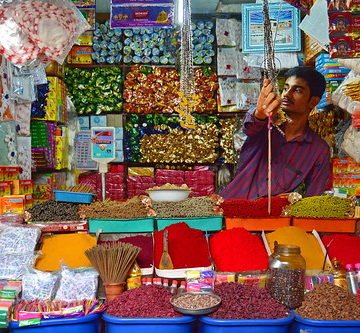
(174, 287)
(182, 287)
(166, 284)
(351, 279)
(148, 281)
(134, 279)
(286, 275)
(357, 273)
(157, 281)
(339, 274)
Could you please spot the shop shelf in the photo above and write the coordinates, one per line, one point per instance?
(119, 225)
(68, 196)
(85, 324)
(149, 325)
(325, 225)
(257, 224)
(211, 325)
(321, 326)
(207, 223)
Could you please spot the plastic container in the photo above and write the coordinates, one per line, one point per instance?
(207, 223)
(85, 324)
(212, 325)
(78, 197)
(325, 326)
(168, 195)
(119, 225)
(149, 325)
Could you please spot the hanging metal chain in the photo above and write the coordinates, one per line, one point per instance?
(188, 100)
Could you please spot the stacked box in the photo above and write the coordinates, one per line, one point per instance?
(93, 180)
(334, 74)
(55, 103)
(119, 144)
(163, 176)
(115, 186)
(201, 182)
(137, 185)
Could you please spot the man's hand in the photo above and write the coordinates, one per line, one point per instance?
(268, 101)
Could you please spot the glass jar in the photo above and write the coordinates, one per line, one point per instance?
(286, 275)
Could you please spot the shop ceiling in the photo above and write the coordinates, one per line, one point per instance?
(197, 6)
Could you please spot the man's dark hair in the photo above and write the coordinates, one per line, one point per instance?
(313, 78)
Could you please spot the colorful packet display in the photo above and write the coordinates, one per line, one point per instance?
(252, 278)
(221, 277)
(200, 281)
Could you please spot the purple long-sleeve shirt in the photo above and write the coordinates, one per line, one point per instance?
(305, 158)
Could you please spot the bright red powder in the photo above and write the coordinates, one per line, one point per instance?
(345, 248)
(253, 208)
(187, 247)
(236, 250)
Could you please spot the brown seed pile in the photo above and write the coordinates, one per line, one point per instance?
(195, 301)
(329, 302)
(130, 209)
(53, 211)
(191, 207)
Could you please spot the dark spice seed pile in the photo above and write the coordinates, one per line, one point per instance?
(54, 211)
(144, 302)
(329, 302)
(240, 301)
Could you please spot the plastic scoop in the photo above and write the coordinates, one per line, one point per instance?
(165, 260)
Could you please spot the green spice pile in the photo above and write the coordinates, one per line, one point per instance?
(130, 209)
(321, 206)
(192, 207)
(53, 211)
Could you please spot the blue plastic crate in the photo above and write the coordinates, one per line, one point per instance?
(207, 223)
(118, 225)
(149, 325)
(85, 324)
(211, 325)
(325, 326)
(77, 197)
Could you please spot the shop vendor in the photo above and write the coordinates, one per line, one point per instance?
(299, 155)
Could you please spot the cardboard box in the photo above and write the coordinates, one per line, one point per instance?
(84, 122)
(5, 188)
(22, 186)
(114, 120)
(10, 173)
(98, 121)
(80, 55)
(12, 204)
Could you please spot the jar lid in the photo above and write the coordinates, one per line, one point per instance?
(288, 248)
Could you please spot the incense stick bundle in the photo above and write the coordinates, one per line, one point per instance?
(81, 188)
(113, 261)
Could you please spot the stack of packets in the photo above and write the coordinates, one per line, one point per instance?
(313, 277)
(200, 281)
(9, 291)
(221, 277)
(253, 278)
(33, 312)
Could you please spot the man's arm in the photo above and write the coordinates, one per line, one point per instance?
(316, 182)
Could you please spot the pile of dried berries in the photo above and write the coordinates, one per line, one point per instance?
(144, 302)
(329, 302)
(239, 301)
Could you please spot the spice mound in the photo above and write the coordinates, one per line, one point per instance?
(240, 301)
(329, 302)
(195, 301)
(53, 211)
(325, 206)
(144, 302)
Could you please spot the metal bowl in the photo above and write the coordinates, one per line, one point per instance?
(170, 195)
(196, 312)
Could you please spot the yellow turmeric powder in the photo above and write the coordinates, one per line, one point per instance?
(68, 249)
(310, 247)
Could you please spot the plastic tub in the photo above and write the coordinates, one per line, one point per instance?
(325, 326)
(212, 325)
(85, 324)
(77, 197)
(145, 224)
(149, 325)
(204, 223)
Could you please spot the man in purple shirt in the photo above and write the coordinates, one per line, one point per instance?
(298, 156)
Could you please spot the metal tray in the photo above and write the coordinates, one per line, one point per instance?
(196, 312)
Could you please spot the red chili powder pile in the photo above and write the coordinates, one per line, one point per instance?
(253, 208)
(236, 250)
(187, 247)
(345, 248)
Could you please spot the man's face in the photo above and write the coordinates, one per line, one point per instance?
(296, 96)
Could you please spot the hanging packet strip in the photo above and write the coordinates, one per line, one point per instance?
(141, 15)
